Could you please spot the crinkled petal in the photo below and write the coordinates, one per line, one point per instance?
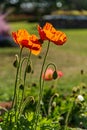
(21, 37)
(34, 45)
(24, 39)
(50, 33)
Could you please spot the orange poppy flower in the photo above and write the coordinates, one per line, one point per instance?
(24, 39)
(21, 37)
(34, 45)
(48, 32)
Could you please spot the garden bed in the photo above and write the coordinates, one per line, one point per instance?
(59, 110)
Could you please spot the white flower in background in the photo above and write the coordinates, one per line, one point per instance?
(80, 98)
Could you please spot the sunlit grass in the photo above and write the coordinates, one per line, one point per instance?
(31, 27)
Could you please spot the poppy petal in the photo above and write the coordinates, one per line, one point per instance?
(50, 33)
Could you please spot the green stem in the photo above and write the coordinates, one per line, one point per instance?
(68, 115)
(25, 73)
(43, 81)
(25, 58)
(15, 98)
(50, 103)
(45, 72)
(16, 80)
(40, 81)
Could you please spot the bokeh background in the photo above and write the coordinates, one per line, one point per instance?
(69, 16)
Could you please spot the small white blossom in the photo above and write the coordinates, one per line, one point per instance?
(80, 98)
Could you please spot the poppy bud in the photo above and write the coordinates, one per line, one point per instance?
(54, 104)
(55, 75)
(21, 87)
(15, 64)
(28, 68)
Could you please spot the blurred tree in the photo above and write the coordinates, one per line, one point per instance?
(54, 4)
(67, 4)
(79, 4)
(74, 4)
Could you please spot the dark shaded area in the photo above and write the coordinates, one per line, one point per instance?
(64, 21)
(7, 42)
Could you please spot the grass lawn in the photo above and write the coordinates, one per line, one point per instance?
(70, 58)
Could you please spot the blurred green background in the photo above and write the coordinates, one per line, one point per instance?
(71, 58)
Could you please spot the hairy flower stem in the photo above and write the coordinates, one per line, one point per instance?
(40, 92)
(45, 72)
(25, 73)
(25, 58)
(40, 81)
(50, 103)
(43, 82)
(16, 81)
